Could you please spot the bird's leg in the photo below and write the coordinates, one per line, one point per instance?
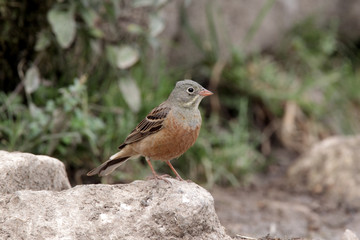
(154, 173)
(173, 169)
(152, 169)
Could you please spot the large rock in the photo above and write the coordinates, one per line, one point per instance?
(349, 235)
(21, 171)
(140, 210)
(331, 167)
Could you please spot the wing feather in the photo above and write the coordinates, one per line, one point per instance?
(151, 124)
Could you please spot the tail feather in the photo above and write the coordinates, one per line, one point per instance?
(109, 166)
(117, 155)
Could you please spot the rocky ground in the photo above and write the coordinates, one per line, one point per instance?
(314, 197)
(272, 209)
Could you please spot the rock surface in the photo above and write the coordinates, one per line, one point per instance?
(331, 167)
(21, 171)
(139, 210)
(349, 235)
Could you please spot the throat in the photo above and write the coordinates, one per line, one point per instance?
(189, 118)
(194, 103)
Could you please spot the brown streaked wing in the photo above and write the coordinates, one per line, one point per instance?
(151, 124)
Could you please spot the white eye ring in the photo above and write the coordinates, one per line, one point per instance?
(190, 90)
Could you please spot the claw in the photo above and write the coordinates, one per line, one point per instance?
(179, 178)
(161, 177)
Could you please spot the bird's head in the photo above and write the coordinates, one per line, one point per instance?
(188, 94)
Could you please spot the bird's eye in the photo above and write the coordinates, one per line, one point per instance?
(190, 90)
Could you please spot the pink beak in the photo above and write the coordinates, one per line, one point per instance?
(205, 93)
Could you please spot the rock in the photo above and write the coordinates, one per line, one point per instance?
(331, 167)
(349, 235)
(20, 171)
(139, 210)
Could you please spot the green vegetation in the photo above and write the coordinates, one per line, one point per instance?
(85, 87)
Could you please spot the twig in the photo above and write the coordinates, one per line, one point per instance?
(18, 88)
(214, 83)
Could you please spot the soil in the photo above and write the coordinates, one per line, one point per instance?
(269, 209)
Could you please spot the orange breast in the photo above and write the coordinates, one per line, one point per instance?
(170, 142)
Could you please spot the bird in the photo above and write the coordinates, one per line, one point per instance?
(167, 132)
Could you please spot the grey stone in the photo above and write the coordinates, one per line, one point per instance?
(331, 167)
(139, 210)
(21, 171)
(349, 235)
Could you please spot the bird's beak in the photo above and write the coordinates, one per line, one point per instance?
(205, 92)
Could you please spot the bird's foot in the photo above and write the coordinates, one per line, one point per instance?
(179, 178)
(165, 176)
(161, 177)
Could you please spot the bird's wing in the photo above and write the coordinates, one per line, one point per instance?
(152, 123)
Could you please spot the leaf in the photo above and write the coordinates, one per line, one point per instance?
(134, 29)
(63, 25)
(32, 79)
(148, 3)
(42, 42)
(187, 3)
(91, 17)
(131, 93)
(95, 47)
(111, 54)
(34, 110)
(122, 57)
(96, 32)
(156, 25)
(126, 57)
(143, 3)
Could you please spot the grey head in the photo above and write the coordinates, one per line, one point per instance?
(188, 94)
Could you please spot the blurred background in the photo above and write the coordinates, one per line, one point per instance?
(77, 76)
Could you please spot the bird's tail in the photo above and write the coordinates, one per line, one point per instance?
(110, 165)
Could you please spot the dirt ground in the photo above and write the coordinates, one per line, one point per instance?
(270, 206)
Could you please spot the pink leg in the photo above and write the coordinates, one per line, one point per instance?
(154, 173)
(173, 169)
